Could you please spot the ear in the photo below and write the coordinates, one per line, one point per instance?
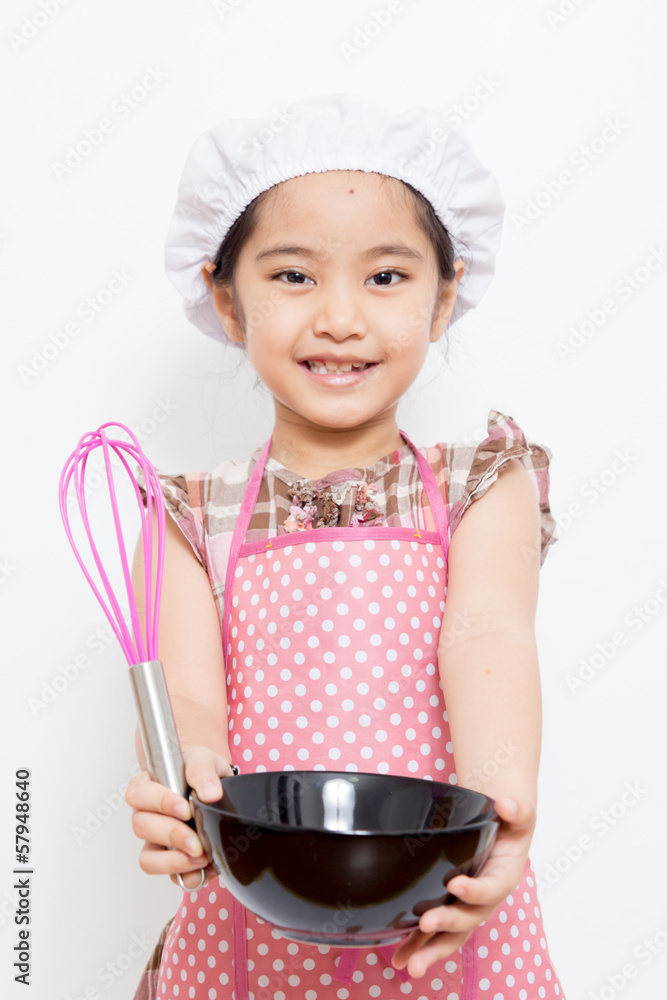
(223, 303)
(445, 305)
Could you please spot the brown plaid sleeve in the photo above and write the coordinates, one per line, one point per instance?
(473, 468)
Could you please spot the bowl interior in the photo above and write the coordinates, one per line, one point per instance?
(351, 802)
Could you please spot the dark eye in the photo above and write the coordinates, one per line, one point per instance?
(387, 274)
(298, 273)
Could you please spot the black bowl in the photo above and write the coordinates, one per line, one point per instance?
(343, 858)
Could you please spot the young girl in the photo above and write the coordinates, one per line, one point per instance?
(326, 605)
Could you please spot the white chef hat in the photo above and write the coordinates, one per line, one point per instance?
(233, 162)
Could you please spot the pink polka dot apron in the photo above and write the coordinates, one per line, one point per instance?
(330, 639)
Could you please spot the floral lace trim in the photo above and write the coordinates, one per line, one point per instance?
(306, 502)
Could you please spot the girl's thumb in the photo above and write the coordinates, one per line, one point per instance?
(202, 770)
(518, 810)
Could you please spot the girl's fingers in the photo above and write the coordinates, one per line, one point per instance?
(438, 947)
(167, 832)
(192, 880)
(155, 859)
(146, 795)
(453, 919)
(500, 877)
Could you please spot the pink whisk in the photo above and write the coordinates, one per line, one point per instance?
(134, 648)
(156, 719)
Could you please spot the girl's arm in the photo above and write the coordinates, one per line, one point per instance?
(490, 679)
(190, 649)
(488, 654)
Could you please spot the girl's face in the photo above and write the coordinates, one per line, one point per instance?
(337, 270)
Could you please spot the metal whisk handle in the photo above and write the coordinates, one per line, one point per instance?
(158, 733)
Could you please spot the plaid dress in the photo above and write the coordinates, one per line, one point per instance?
(206, 507)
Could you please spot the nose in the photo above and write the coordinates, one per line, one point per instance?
(338, 312)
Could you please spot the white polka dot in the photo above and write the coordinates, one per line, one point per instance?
(484, 984)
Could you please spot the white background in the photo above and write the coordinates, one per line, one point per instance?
(553, 83)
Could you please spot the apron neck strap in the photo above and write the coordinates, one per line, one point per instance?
(247, 506)
(436, 503)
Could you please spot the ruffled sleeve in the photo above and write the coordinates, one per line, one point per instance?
(183, 501)
(474, 468)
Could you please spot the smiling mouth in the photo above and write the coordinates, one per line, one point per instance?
(332, 367)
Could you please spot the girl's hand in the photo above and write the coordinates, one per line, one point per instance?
(159, 814)
(444, 929)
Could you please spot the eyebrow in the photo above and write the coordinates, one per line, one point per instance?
(381, 250)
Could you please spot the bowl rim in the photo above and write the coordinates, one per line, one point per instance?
(486, 817)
